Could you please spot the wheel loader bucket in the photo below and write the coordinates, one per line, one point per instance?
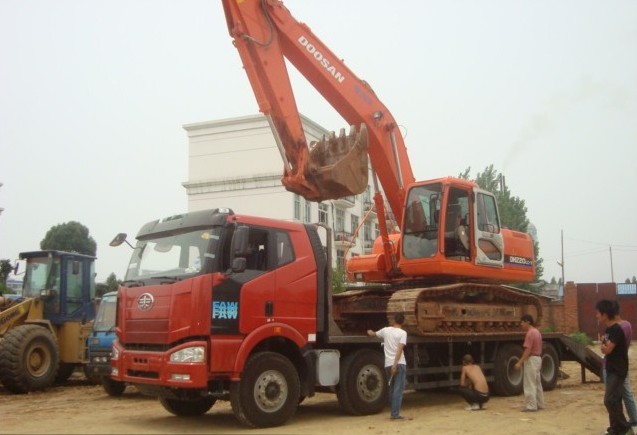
(339, 166)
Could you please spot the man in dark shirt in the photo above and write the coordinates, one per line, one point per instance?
(615, 353)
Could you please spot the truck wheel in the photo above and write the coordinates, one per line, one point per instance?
(65, 370)
(29, 359)
(187, 408)
(115, 388)
(92, 378)
(362, 389)
(550, 367)
(268, 393)
(507, 380)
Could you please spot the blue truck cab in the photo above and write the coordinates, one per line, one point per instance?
(100, 346)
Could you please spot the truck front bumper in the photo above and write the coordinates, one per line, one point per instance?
(161, 368)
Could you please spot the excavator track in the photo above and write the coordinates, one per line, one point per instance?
(445, 309)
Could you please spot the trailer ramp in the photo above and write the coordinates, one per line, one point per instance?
(573, 350)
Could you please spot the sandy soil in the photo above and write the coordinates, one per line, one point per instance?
(78, 408)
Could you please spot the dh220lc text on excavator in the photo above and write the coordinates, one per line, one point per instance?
(447, 267)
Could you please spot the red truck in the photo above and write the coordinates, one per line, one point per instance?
(219, 306)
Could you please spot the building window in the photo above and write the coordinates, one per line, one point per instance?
(340, 255)
(297, 207)
(354, 220)
(339, 225)
(367, 231)
(308, 211)
(322, 213)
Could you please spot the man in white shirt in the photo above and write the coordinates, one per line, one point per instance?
(394, 342)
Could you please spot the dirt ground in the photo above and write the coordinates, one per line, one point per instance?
(573, 407)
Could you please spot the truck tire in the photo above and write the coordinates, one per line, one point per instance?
(91, 378)
(507, 380)
(29, 359)
(115, 388)
(187, 408)
(550, 367)
(362, 389)
(65, 370)
(268, 393)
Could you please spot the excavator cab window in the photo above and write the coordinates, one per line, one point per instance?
(457, 224)
(421, 221)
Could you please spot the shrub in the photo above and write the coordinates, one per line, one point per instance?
(582, 338)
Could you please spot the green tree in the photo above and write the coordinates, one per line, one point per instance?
(338, 280)
(5, 270)
(70, 236)
(512, 208)
(112, 283)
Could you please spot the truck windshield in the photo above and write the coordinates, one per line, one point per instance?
(105, 318)
(41, 273)
(174, 256)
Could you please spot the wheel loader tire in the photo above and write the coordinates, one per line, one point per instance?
(187, 408)
(29, 359)
(508, 380)
(268, 393)
(550, 367)
(362, 389)
(115, 388)
(65, 370)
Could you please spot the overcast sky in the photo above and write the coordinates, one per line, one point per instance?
(94, 94)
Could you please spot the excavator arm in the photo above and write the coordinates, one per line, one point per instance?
(265, 34)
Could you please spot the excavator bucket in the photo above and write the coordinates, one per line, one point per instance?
(339, 166)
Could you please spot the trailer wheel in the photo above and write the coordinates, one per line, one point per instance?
(115, 388)
(550, 367)
(507, 380)
(363, 386)
(187, 408)
(268, 393)
(29, 359)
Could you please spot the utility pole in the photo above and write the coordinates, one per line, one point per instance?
(612, 273)
(561, 263)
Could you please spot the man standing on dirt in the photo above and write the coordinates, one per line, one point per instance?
(394, 342)
(532, 360)
(615, 353)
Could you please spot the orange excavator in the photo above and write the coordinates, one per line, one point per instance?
(448, 265)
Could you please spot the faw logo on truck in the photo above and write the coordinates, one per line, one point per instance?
(225, 310)
(145, 301)
(320, 58)
(519, 261)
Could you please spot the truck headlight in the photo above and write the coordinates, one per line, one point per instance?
(193, 354)
(115, 353)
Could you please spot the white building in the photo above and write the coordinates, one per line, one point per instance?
(235, 163)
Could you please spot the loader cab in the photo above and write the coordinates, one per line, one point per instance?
(64, 281)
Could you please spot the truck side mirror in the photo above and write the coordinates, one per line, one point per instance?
(239, 264)
(75, 267)
(239, 247)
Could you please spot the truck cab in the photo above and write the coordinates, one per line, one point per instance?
(100, 346)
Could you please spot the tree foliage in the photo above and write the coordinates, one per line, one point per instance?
(5, 269)
(70, 236)
(112, 283)
(512, 208)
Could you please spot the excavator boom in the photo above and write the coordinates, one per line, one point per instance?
(265, 34)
